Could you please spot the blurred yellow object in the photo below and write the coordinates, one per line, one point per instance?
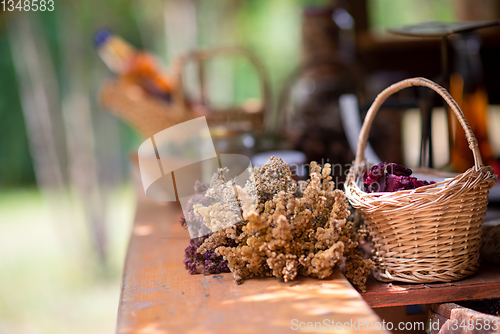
(474, 105)
(468, 89)
(114, 51)
(135, 67)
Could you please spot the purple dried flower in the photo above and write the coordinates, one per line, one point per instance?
(193, 261)
(389, 177)
(208, 263)
(398, 170)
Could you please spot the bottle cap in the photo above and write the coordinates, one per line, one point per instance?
(101, 37)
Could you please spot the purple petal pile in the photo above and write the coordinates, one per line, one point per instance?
(389, 177)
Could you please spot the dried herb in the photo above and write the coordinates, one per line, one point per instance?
(208, 263)
(289, 229)
(196, 224)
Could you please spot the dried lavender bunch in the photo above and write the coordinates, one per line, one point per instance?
(207, 263)
(286, 233)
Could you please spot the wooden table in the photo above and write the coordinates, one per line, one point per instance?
(158, 295)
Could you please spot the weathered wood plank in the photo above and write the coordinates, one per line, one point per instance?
(450, 318)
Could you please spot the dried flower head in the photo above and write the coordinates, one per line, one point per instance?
(273, 177)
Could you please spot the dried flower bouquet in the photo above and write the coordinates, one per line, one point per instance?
(287, 228)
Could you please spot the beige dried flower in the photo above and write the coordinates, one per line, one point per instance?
(273, 177)
(286, 232)
(226, 210)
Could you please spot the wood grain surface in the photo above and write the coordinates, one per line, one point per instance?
(159, 296)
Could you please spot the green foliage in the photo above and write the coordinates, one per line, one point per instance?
(393, 13)
(15, 161)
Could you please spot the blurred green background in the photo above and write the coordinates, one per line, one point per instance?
(66, 200)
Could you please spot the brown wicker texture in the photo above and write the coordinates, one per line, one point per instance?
(149, 115)
(428, 234)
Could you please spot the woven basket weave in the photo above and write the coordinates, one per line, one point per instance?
(428, 234)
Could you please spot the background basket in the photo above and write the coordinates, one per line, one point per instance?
(428, 234)
(149, 115)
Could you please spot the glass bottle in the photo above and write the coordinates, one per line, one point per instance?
(133, 66)
(468, 89)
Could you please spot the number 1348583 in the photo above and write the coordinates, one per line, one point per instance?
(27, 5)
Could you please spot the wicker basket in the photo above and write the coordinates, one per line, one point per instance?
(428, 234)
(148, 115)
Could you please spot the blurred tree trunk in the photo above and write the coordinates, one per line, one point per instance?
(58, 127)
(38, 90)
(77, 117)
(181, 26)
(39, 98)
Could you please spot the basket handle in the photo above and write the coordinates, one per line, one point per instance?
(379, 100)
(201, 55)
